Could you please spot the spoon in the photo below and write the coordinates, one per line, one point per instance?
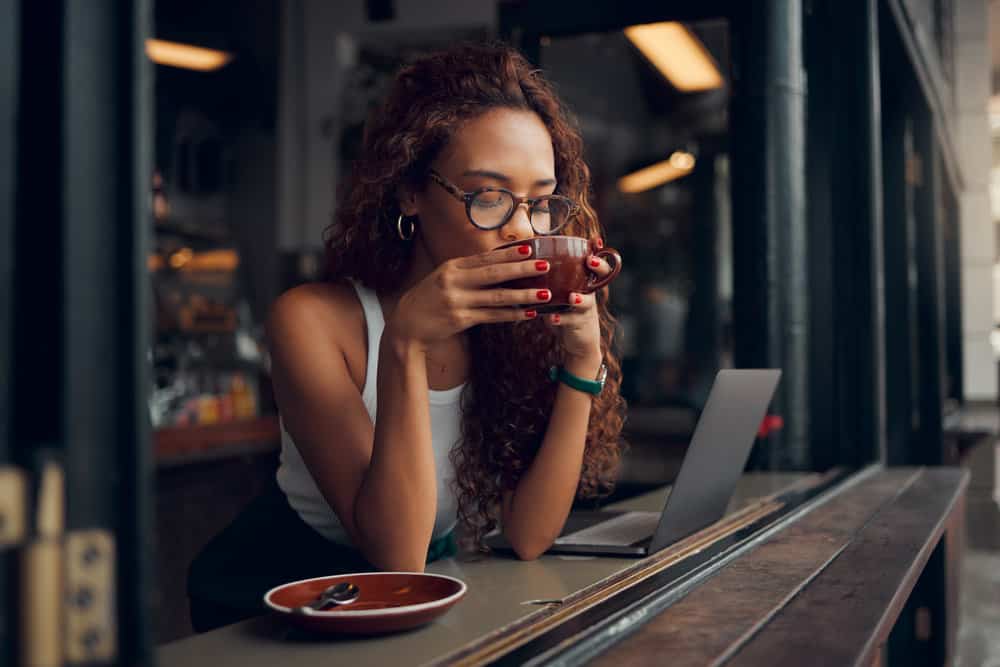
(338, 594)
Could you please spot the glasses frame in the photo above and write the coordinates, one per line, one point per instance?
(468, 197)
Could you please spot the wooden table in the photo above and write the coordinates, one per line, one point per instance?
(498, 589)
(759, 602)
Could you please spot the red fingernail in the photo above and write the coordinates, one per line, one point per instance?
(524, 249)
(577, 299)
(599, 242)
(543, 295)
(542, 265)
(555, 318)
(594, 262)
(529, 314)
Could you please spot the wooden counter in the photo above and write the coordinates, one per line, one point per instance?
(499, 589)
(822, 584)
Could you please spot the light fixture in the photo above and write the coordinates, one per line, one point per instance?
(679, 164)
(678, 54)
(186, 56)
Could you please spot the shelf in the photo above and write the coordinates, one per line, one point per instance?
(177, 445)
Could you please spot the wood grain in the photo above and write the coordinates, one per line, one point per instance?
(712, 620)
(847, 612)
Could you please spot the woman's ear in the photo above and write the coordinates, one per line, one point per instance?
(407, 201)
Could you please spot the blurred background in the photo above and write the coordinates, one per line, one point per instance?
(803, 185)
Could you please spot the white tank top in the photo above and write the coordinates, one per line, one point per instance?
(445, 412)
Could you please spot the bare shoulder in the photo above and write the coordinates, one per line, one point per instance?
(315, 304)
(316, 316)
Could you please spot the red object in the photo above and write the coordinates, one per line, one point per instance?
(544, 295)
(524, 249)
(542, 265)
(594, 262)
(577, 298)
(389, 602)
(529, 314)
(770, 424)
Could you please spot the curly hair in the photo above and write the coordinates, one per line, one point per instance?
(508, 397)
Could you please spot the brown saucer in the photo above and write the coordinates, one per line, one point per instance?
(389, 602)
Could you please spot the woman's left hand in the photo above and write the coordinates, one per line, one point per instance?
(579, 327)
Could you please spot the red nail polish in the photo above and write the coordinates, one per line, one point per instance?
(524, 249)
(594, 262)
(543, 295)
(556, 318)
(542, 265)
(599, 242)
(577, 299)
(530, 314)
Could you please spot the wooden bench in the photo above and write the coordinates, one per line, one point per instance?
(829, 588)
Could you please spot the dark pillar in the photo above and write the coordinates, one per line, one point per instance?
(107, 125)
(770, 308)
(929, 256)
(80, 316)
(704, 330)
(9, 45)
(845, 235)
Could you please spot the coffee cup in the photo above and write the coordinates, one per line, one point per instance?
(568, 271)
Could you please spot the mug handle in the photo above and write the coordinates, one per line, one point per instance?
(616, 267)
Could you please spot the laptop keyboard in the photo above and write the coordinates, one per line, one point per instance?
(621, 531)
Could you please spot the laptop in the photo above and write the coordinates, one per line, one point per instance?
(704, 486)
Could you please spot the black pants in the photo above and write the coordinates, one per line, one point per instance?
(265, 546)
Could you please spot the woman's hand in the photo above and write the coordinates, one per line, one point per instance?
(579, 328)
(458, 295)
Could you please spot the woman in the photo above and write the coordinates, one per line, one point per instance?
(413, 390)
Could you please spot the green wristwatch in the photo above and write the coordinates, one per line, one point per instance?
(558, 373)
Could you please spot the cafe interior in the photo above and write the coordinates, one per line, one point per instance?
(792, 185)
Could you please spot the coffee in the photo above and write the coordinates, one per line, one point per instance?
(568, 272)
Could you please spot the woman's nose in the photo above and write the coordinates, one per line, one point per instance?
(519, 225)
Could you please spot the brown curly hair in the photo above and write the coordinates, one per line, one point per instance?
(505, 407)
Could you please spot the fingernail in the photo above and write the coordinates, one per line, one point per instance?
(594, 262)
(599, 242)
(543, 295)
(524, 249)
(528, 314)
(556, 318)
(577, 298)
(542, 265)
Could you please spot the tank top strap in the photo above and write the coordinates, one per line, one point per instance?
(375, 323)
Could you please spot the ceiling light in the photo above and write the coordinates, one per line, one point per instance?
(678, 54)
(186, 56)
(679, 164)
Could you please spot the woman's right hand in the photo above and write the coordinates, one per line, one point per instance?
(461, 293)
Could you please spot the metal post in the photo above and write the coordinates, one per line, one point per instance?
(106, 183)
(770, 309)
(930, 294)
(9, 47)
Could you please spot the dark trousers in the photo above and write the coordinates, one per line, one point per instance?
(265, 546)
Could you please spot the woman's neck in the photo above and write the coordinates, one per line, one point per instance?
(421, 266)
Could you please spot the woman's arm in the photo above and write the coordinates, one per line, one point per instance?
(396, 505)
(535, 512)
(379, 481)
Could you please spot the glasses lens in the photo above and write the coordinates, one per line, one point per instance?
(490, 209)
(550, 215)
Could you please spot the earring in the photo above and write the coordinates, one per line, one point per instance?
(406, 236)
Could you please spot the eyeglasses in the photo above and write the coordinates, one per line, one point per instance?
(492, 208)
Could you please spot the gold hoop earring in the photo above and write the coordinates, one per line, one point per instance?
(399, 228)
